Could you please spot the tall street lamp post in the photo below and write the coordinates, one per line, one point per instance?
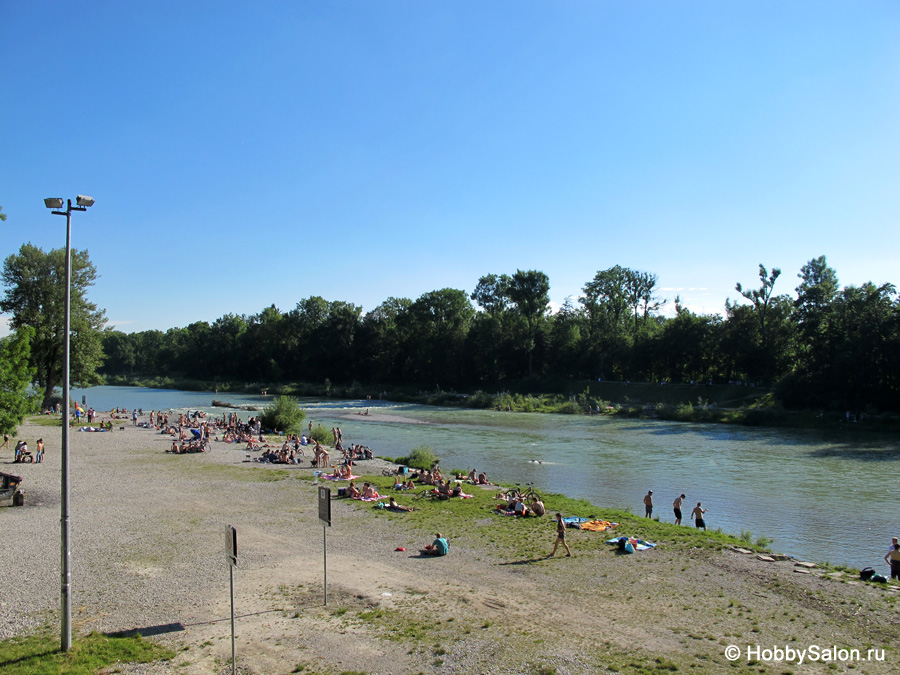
(65, 609)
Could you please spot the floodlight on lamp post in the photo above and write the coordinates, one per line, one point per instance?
(65, 609)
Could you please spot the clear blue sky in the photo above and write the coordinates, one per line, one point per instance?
(245, 154)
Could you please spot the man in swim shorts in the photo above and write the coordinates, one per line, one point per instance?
(648, 504)
(676, 507)
(697, 515)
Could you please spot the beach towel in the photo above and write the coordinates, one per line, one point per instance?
(575, 521)
(372, 499)
(639, 544)
(598, 525)
(339, 478)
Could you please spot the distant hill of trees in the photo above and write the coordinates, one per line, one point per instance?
(823, 347)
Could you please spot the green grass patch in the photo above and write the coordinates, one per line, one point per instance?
(40, 654)
(398, 625)
(45, 420)
(476, 522)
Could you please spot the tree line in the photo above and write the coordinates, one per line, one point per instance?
(825, 346)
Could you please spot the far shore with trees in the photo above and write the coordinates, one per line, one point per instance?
(777, 357)
(809, 358)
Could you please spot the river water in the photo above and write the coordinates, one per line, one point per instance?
(820, 495)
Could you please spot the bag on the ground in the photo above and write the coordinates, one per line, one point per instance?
(866, 573)
(878, 578)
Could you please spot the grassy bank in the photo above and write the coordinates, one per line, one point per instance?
(476, 522)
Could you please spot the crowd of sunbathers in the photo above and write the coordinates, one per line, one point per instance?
(442, 488)
(515, 506)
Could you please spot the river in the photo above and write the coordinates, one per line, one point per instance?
(820, 495)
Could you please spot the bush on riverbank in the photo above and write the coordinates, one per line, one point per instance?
(422, 457)
(322, 435)
(283, 414)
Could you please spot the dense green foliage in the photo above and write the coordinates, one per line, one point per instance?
(421, 457)
(35, 295)
(15, 376)
(828, 347)
(40, 654)
(284, 414)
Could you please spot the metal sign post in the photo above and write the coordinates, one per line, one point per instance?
(231, 557)
(325, 517)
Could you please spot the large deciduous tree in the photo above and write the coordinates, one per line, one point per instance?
(436, 326)
(35, 292)
(530, 293)
(15, 376)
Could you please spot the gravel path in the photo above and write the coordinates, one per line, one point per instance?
(148, 552)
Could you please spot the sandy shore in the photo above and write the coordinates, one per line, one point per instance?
(148, 552)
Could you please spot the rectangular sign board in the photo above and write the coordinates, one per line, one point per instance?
(325, 505)
(231, 545)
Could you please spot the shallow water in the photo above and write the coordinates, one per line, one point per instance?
(823, 496)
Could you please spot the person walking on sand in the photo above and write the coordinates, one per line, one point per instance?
(560, 537)
(697, 515)
(676, 507)
(648, 504)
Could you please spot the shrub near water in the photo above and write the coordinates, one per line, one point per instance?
(322, 435)
(421, 457)
(284, 414)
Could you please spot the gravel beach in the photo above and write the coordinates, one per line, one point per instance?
(148, 554)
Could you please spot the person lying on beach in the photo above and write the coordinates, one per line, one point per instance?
(394, 506)
(440, 546)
